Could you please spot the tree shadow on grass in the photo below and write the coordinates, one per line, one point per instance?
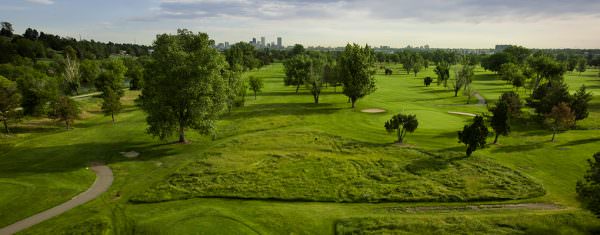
(278, 109)
(25, 160)
(579, 142)
(485, 77)
(518, 148)
(300, 93)
(436, 91)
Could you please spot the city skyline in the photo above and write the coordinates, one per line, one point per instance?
(330, 23)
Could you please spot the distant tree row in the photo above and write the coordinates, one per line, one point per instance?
(36, 45)
(354, 69)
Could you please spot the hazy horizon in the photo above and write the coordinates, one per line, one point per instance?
(439, 24)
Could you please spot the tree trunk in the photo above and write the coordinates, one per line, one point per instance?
(182, 136)
(6, 126)
(67, 123)
(496, 139)
(455, 92)
(316, 98)
(297, 87)
(353, 102)
(400, 135)
(255, 94)
(113, 117)
(553, 135)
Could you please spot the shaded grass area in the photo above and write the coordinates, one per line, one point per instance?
(320, 167)
(566, 223)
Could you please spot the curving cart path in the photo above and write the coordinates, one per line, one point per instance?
(104, 178)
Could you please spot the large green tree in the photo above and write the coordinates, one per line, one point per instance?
(442, 71)
(186, 89)
(500, 119)
(89, 71)
(236, 88)
(110, 83)
(560, 118)
(242, 54)
(37, 90)
(474, 135)
(316, 77)
(65, 109)
(10, 100)
(356, 70)
(463, 78)
(548, 95)
(297, 70)
(546, 68)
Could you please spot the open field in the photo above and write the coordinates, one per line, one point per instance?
(282, 165)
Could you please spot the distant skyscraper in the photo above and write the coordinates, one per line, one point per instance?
(263, 41)
(226, 44)
(279, 42)
(254, 41)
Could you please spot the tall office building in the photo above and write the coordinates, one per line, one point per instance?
(263, 41)
(279, 42)
(254, 41)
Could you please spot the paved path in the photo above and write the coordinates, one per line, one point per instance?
(104, 179)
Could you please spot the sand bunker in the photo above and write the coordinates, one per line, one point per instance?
(130, 154)
(464, 114)
(373, 110)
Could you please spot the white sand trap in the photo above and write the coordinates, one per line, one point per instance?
(130, 154)
(373, 111)
(464, 114)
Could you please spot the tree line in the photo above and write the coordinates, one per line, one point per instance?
(34, 45)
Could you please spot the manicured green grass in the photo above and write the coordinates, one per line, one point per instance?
(281, 123)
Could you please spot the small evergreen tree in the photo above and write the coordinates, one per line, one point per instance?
(427, 81)
(402, 124)
(579, 104)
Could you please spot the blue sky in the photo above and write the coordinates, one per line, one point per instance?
(397, 23)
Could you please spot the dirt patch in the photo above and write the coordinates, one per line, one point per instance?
(464, 114)
(527, 206)
(130, 154)
(373, 110)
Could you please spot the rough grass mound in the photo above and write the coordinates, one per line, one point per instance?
(567, 223)
(351, 172)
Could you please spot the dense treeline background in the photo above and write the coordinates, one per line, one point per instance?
(47, 68)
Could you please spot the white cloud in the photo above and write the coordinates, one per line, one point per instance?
(43, 2)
